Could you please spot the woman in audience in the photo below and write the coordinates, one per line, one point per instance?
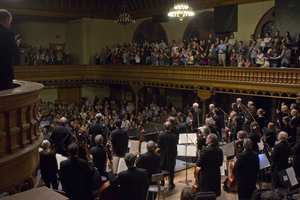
(161, 57)
(248, 63)
(233, 58)
(259, 58)
(137, 58)
(204, 59)
(259, 39)
(197, 59)
(131, 59)
(267, 42)
(212, 57)
(267, 58)
(190, 59)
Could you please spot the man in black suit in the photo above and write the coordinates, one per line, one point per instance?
(61, 137)
(247, 167)
(210, 160)
(76, 175)
(99, 154)
(167, 142)
(9, 48)
(149, 161)
(174, 128)
(133, 182)
(119, 139)
(96, 128)
(279, 158)
(197, 117)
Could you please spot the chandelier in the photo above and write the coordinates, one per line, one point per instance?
(181, 10)
(124, 17)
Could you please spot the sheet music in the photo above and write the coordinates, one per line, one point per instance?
(191, 151)
(260, 145)
(115, 163)
(134, 146)
(291, 174)
(144, 147)
(263, 161)
(223, 168)
(185, 138)
(122, 165)
(181, 150)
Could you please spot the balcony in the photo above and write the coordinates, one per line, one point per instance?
(277, 83)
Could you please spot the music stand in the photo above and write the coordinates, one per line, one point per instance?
(263, 165)
(186, 148)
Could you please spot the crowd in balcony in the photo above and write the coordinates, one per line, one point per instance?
(261, 51)
(41, 56)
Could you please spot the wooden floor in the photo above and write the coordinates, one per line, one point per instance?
(175, 194)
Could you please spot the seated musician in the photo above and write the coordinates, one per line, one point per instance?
(239, 144)
(76, 175)
(133, 182)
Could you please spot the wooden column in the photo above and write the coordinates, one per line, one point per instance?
(204, 95)
(136, 88)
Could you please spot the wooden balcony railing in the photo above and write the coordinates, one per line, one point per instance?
(280, 82)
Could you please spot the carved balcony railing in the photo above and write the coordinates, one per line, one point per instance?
(284, 83)
(19, 137)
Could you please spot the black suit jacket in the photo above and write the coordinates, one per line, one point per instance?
(58, 136)
(296, 158)
(247, 167)
(197, 113)
(133, 183)
(119, 140)
(280, 156)
(95, 129)
(149, 161)
(76, 177)
(99, 157)
(8, 50)
(167, 142)
(211, 158)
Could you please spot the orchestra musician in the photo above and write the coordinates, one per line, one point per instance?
(204, 132)
(133, 182)
(254, 137)
(210, 111)
(83, 140)
(279, 158)
(119, 139)
(96, 128)
(218, 122)
(247, 167)
(189, 122)
(210, 160)
(167, 142)
(236, 127)
(99, 154)
(230, 124)
(76, 175)
(239, 147)
(197, 117)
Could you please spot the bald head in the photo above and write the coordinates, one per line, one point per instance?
(238, 100)
(63, 121)
(168, 125)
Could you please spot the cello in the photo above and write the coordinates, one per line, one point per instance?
(233, 180)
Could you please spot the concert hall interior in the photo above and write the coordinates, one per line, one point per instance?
(223, 82)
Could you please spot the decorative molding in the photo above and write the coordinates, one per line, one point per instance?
(267, 82)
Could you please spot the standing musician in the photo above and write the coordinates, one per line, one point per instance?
(189, 122)
(218, 122)
(279, 158)
(230, 124)
(250, 116)
(119, 139)
(174, 129)
(99, 154)
(239, 144)
(133, 182)
(96, 128)
(83, 140)
(210, 111)
(210, 160)
(197, 117)
(149, 161)
(254, 137)
(76, 175)
(236, 127)
(204, 132)
(61, 138)
(247, 167)
(240, 107)
(168, 147)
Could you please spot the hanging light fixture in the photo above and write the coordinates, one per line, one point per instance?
(124, 17)
(181, 10)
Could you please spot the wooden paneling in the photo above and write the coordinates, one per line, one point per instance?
(70, 94)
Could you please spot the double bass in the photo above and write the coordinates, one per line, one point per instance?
(108, 191)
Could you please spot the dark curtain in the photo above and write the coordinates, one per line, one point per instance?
(226, 18)
(287, 17)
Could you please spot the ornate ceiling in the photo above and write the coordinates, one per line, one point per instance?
(64, 10)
